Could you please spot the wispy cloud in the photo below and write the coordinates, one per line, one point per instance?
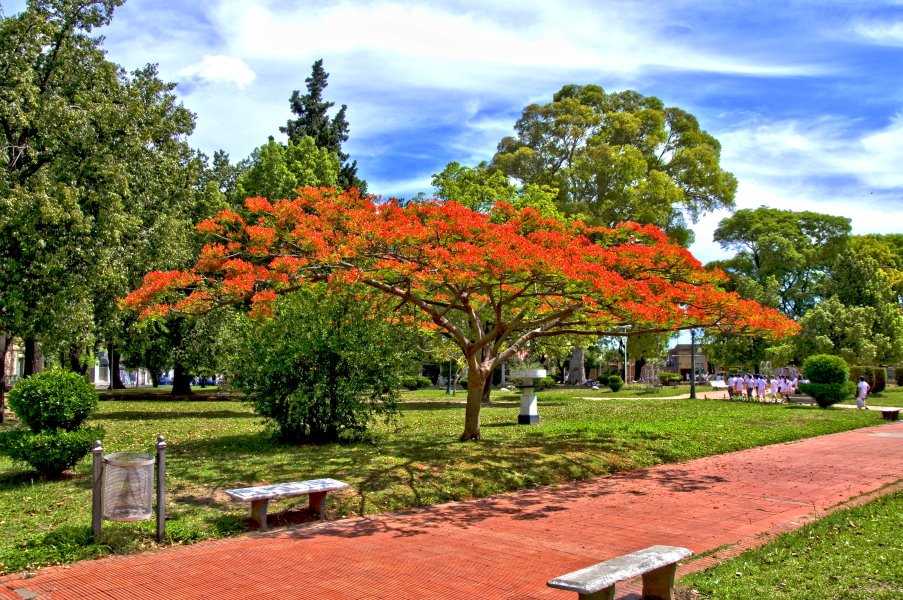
(219, 69)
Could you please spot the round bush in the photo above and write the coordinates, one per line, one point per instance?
(53, 399)
(880, 377)
(826, 368)
(615, 382)
(49, 452)
(826, 394)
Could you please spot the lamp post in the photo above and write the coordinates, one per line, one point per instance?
(448, 390)
(626, 327)
(692, 364)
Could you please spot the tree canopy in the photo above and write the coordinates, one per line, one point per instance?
(313, 121)
(618, 157)
(489, 282)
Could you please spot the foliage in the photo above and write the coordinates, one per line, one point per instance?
(49, 452)
(826, 368)
(276, 170)
(480, 189)
(314, 121)
(491, 283)
(615, 382)
(414, 462)
(618, 157)
(898, 375)
(53, 399)
(415, 382)
(543, 383)
(669, 378)
(788, 253)
(826, 394)
(338, 370)
(868, 373)
(880, 377)
(848, 554)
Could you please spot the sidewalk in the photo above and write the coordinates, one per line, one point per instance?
(507, 547)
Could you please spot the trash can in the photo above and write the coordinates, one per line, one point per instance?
(128, 486)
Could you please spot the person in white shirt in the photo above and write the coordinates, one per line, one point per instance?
(862, 390)
(760, 388)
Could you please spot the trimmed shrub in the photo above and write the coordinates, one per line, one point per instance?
(826, 368)
(544, 383)
(867, 372)
(415, 382)
(53, 399)
(669, 378)
(49, 452)
(615, 382)
(830, 379)
(898, 375)
(880, 379)
(826, 394)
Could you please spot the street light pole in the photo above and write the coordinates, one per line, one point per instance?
(626, 327)
(692, 364)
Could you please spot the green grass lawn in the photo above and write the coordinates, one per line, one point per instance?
(854, 554)
(416, 461)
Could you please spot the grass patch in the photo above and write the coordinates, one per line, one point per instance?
(852, 554)
(413, 462)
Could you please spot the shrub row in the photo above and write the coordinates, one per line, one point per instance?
(876, 377)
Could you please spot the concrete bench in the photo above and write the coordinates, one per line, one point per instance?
(260, 496)
(657, 565)
(890, 414)
(718, 384)
(800, 399)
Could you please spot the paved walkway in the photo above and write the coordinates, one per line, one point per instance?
(507, 547)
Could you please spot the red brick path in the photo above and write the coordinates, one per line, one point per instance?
(508, 546)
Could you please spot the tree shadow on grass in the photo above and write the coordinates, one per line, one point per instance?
(156, 415)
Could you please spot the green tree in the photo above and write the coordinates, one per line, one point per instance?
(789, 253)
(619, 157)
(479, 188)
(861, 320)
(338, 370)
(275, 170)
(313, 121)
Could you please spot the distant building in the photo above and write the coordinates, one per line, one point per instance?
(678, 361)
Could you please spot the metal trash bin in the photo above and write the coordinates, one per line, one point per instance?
(122, 487)
(128, 486)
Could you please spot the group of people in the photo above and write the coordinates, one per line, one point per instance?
(756, 387)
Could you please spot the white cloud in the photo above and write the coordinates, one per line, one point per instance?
(819, 147)
(880, 32)
(220, 69)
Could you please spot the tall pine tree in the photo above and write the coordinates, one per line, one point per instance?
(313, 121)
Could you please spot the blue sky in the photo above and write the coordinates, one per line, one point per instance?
(805, 97)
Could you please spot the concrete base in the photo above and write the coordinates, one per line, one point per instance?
(527, 419)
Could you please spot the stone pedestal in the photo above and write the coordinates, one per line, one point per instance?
(528, 412)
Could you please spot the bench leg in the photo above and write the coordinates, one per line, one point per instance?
(259, 512)
(659, 584)
(318, 504)
(606, 594)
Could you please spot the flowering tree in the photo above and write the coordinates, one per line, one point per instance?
(489, 282)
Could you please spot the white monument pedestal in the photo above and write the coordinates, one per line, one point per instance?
(528, 413)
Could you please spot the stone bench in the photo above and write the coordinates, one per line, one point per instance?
(801, 399)
(260, 496)
(890, 414)
(718, 384)
(657, 565)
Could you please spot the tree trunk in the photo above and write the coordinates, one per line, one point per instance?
(576, 371)
(638, 368)
(487, 388)
(75, 360)
(115, 378)
(155, 377)
(476, 382)
(34, 360)
(181, 381)
(4, 342)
